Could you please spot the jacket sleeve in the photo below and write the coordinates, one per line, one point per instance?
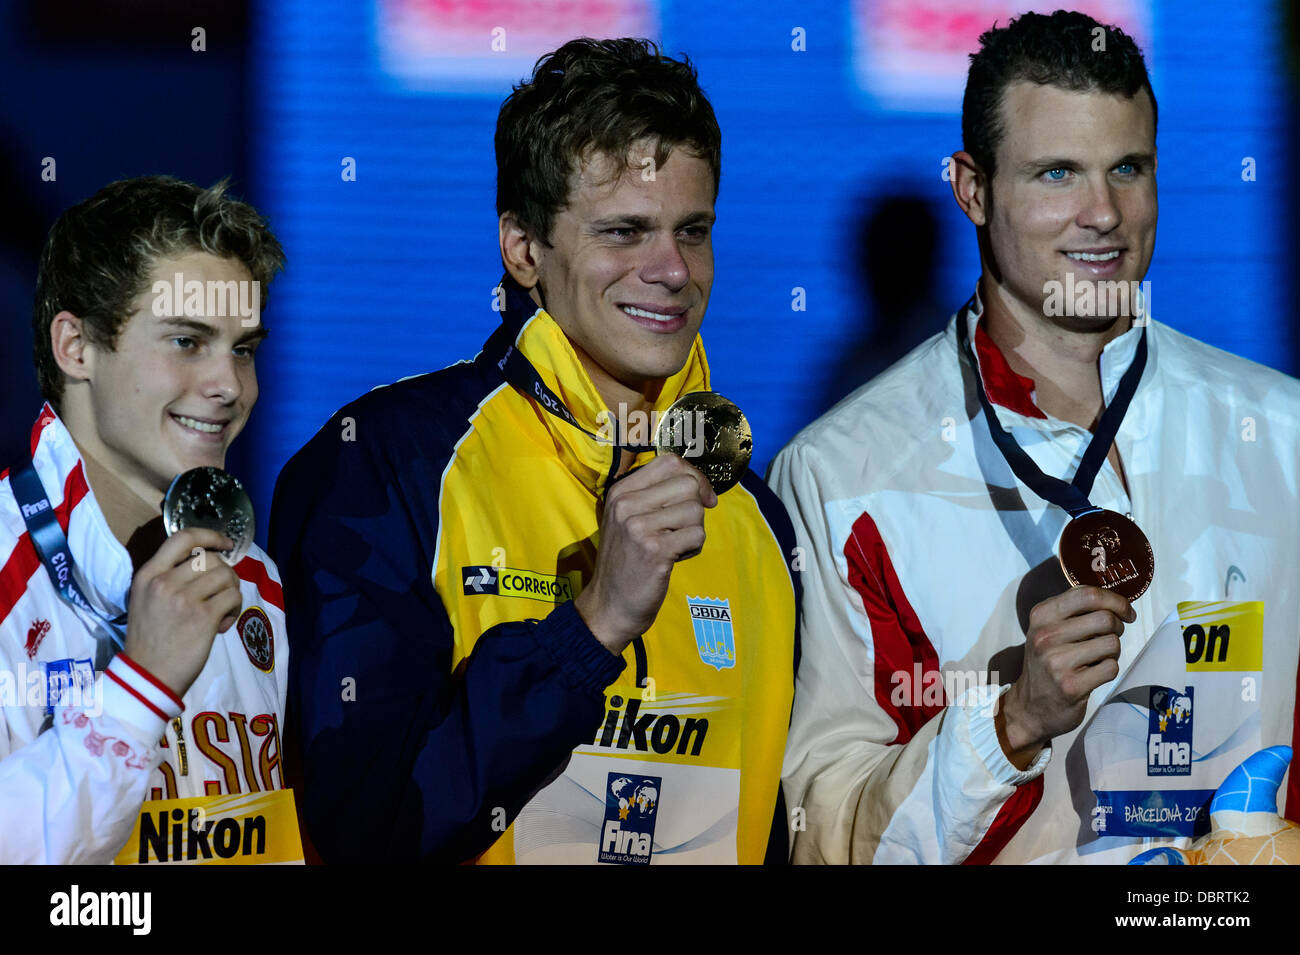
(73, 794)
(402, 757)
(882, 775)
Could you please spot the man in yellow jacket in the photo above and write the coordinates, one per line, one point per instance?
(516, 641)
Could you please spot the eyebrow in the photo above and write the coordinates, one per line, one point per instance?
(646, 222)
(1060, 162)
(211, 331)
(1138, 159)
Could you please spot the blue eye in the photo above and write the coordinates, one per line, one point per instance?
(1052, 174)
(1126, 169)
(184, 343)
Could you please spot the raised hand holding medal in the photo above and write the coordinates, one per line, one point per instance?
(178, 601)
(651, 516)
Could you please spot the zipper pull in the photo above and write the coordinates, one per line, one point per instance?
(180, 746)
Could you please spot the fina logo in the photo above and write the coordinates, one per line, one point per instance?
(711, 620)
(627, 837)
(30, 510)
(1169, 732)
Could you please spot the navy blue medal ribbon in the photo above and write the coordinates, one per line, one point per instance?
(51, 546)
(1072, 496)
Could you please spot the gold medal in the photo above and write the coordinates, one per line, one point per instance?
(211, 498)
(1105, 549)
(710, 433)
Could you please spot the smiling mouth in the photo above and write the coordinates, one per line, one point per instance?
(1095, 256)
(665, 317)
(195, 424)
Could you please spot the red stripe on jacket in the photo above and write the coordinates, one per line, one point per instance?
(1001, 383)
(1008, 821)
(901, 646)
(254, 571)
(898, 639)
(43, 420)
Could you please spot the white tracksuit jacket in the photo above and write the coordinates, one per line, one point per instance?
(72, 794)
(924, 553)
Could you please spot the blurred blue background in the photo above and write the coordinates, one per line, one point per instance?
(836, 119)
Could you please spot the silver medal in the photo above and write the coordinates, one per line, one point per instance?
(210, 498)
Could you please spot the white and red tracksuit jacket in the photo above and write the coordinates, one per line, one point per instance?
(73, 793)
(924, 555)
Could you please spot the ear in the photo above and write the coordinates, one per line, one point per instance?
(520, 250)
(71, 347)
(970, 188)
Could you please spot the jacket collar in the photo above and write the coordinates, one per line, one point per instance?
(1015, 392)
(539, 338)
(103, 565)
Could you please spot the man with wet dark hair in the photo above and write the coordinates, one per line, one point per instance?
(514, 642)
(982, 518)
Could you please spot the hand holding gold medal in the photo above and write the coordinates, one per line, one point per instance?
(654, 518)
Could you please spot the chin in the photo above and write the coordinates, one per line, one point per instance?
(189, 462)
(1086, 324)
(659, 373)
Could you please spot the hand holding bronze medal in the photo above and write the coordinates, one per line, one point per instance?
(210, 498)
(1098, 548)
(709, 432)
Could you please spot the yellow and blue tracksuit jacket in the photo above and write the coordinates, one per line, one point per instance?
(451, 705)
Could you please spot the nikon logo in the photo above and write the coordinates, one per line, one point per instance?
(1221, 646)
(1221, 636)
(227, 839)
(1205, 647)
(662, 733)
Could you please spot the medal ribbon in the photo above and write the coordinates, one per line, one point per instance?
(51, 546)
(520, 373)
(1073, 497)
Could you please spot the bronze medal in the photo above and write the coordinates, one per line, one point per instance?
(210, 498)
(1106, 549)
(710, 433)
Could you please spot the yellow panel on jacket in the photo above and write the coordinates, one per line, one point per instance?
(684, 767)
